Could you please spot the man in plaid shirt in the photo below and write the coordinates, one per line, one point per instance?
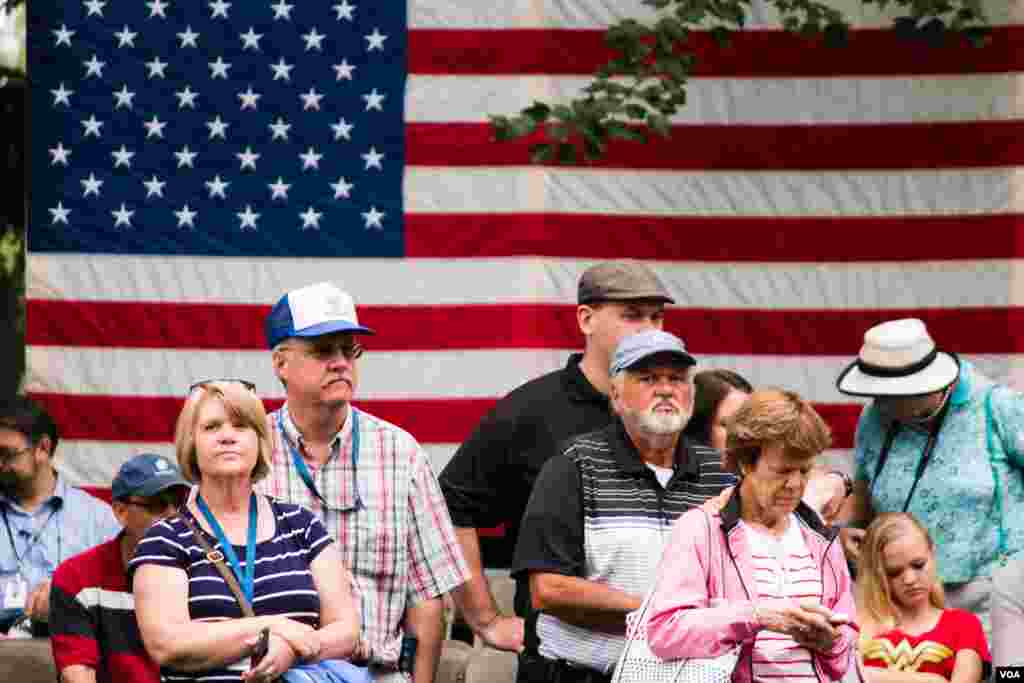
(369, 480)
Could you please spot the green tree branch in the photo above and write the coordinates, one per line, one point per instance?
(638, 91)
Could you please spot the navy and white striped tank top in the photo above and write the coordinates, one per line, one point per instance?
(283, 584)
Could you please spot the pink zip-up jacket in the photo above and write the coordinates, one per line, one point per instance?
(707, 557)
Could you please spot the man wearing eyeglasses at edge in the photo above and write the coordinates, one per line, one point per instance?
(369, 480)
(44, 520)
(93, 630)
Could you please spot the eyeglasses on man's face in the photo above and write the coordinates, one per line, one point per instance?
(155, 505)
(203, 384)
(9, 455)
(325, 349)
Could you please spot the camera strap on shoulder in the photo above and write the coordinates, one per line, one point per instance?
(216, 558)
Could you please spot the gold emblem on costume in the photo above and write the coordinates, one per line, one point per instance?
(903, 657)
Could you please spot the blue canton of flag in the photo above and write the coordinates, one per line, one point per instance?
(221, 128)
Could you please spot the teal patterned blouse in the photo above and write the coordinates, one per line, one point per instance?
(971, 496)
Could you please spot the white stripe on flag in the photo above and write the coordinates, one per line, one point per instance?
(585, 14)
(94, 463)
(744, 286)
(715, 193)
(386, 375)
(756, 101)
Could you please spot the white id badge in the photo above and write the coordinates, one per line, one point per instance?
(15, 592)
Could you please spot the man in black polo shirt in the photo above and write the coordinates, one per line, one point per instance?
(488, 480)
(600, 512)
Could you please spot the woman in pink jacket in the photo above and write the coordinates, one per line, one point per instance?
(764, 573)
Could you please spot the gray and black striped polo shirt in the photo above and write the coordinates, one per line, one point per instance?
(598, 512)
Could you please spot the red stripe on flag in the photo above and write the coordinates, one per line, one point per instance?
(151, 419)
(509, 326)
(238, 326)
(753, 53)
(101, 492)
(748, 147)
(760, 239)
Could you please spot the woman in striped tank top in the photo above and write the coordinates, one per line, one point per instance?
(286, 565)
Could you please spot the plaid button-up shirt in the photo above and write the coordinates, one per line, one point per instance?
(398, 541)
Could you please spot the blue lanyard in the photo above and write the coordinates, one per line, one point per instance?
(250, 544)
(34, 539)
(300, 463)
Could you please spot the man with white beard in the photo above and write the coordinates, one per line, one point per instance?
(601, 511)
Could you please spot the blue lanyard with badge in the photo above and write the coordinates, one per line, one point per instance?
(15, 589)
(303, 469)
(247, 580)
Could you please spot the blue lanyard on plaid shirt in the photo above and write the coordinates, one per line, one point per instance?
(303, 469)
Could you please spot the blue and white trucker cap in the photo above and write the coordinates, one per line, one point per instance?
(312, 311)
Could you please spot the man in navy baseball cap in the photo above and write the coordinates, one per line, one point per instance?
(145, 476)
(92, 620)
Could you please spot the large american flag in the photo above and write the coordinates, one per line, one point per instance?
(192, 161)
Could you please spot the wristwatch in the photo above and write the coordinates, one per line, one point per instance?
(847, 481)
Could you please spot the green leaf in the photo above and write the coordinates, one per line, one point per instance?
(541, 153)
(558, 131)
(978, 36)
(659, 124)
(722, 36)
(594, 133)
(562, 113)
(636, 111)
(837, 35)
(652, 93)
(539, 112)
(502, 130)
(619, 130)
(673, 28)
(672, 68)
(522, 126)
(734, 13)
(567, 154)
(690, 13)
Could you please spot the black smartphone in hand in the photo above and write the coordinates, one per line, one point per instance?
(260, 651)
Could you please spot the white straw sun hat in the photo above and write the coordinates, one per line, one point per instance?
(899, 358)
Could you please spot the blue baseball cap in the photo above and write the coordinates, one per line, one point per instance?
(312, 311)
(146, 474)
(643, 345)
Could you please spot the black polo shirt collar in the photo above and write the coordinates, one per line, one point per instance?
(576, 385)
(628, 457)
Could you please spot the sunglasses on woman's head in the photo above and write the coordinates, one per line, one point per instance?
(206, 382)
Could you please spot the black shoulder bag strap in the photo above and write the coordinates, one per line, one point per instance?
(216, 558)
(933, 437)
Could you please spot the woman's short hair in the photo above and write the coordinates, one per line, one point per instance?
(242, 406)
(872, 589)
(710, 389)
(775, 416)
